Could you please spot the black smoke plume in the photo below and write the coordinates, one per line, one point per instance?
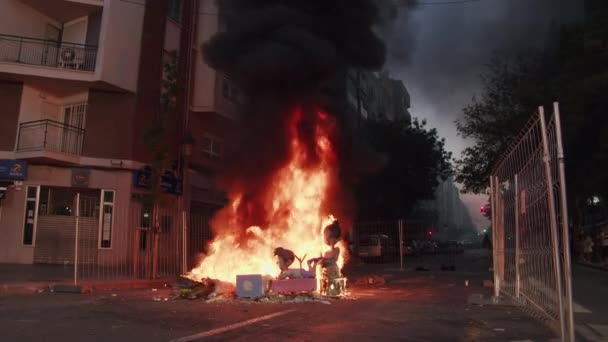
(283, 53)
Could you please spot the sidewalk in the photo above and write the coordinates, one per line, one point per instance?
(597, 265)
(590, 292)
(16, 279)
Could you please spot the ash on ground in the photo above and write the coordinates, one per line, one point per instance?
(216, 291)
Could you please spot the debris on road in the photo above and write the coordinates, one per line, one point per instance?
(373, 280)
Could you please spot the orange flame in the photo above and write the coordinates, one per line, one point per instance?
(302, 191)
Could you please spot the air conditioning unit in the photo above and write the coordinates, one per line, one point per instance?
(70, 57)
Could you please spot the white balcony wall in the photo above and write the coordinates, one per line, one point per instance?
(75, 31)
(37, 105)
(19, 19)
(204, 99)
(120, 43)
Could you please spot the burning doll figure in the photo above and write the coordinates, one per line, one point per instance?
(285, 258)
(330, 272)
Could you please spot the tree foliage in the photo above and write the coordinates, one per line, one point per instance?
(575, 73)
(156, 137)
(415, 161)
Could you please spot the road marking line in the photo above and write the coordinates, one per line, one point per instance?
(576, 307)
(231, 327)
(587, 333)
(601, 329)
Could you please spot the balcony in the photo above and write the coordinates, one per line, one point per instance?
(48, 139)
(39, 52)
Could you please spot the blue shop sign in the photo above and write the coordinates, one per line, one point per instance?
(13, 169)
(169, 183)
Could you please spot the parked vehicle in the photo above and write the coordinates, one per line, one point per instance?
(378, 247)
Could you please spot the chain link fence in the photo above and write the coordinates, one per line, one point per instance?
(530, 224)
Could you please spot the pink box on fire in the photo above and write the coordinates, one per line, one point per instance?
(293, 285)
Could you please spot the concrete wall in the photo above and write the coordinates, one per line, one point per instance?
(204, 96)
(10, 100)
(94, 28)
(19, 19)
(12, 214)
(110, 126)
(120, 42)
(172, 36)
(75, 31)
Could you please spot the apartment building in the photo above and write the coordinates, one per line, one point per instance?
(80, 86)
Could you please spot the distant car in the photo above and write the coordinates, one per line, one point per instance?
(377, 247)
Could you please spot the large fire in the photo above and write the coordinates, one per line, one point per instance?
(299, 191)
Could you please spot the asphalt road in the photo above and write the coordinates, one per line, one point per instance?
(411, 306)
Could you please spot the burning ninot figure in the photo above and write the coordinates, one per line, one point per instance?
(285, 258)
(331, 278)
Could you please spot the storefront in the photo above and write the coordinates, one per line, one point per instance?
(42, 213)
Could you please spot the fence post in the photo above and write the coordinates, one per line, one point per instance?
(20, 48)
(400, 225)
(553, 222)
(184, 242)
(155, 242)
(494, 206)
(565, 220)
(76, 239)
(517, 247)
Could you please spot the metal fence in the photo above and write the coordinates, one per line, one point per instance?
(48, 53)
(50, 135)
(530, 224)
(92, 237)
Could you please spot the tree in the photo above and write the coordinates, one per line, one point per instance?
(512, 90)
(514, 87)
(414, 163)
(157, 137)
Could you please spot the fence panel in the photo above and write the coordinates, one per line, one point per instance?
(528, 218)
(377, 241)
(110, 240)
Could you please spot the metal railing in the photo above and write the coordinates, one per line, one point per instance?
(530, 224)
(50, 135)
(32, 51)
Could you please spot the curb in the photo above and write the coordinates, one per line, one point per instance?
(84, 287)
(601, 268)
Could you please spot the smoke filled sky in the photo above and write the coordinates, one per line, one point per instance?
(439, 52)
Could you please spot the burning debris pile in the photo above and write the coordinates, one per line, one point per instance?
(283, 176)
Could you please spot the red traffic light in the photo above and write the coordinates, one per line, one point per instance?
(430, 232)
(483, 208)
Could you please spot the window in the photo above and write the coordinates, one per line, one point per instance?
(211, 147)
(31, 214)
(174, 10)
(107, 218)
(230, 91)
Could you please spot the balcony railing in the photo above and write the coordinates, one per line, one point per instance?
(47, 53)
(50, 135)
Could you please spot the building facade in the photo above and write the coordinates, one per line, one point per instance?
(377, 95)
(81, 86)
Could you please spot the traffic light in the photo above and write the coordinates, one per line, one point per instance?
(430, 232)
